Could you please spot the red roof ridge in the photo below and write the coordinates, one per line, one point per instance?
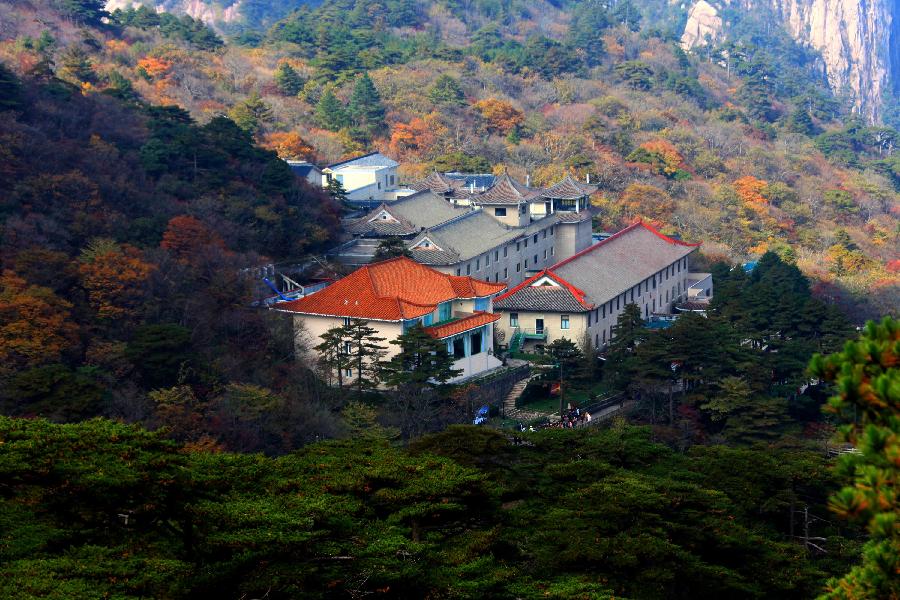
(577, 293)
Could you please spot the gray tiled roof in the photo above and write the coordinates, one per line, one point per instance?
(464, 238)
(569, 189)
(550, 298)
(572, 217)
(373, 159)
(604, 270)
(413, 213)
(620, 262)
(507, 190)
(437, 183)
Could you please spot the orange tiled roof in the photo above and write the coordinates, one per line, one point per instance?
(391, 290)
(465, 324)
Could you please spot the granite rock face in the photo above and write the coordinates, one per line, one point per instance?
(858, 40)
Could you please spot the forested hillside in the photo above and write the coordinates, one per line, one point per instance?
(740, 145)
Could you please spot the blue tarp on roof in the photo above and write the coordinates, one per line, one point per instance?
(480, 180)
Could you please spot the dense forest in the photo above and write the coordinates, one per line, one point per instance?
(160, 439)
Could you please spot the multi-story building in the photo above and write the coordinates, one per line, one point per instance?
(501, 233)
(581, 297)
(395, 294)
(368, 179)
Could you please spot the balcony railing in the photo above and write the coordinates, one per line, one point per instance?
(535, 333)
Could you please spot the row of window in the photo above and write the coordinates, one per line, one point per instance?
(519, 266)
(514, 322)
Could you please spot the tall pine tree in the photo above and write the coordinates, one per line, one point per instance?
(365, 109)
(330, 113)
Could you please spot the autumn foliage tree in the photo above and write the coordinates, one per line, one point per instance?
(289, 145)
(185, 234)
(412, 139)
(114, 277)
(499, 115)
(642, 200)
(35, 324)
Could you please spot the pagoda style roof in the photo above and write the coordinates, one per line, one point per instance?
(406, 216)
(569, 189)
(436, 182)
(507, 190)
(392, 290)
(599, 273)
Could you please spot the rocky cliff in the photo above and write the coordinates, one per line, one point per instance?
(859, 40)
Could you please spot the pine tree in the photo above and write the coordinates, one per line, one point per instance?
(251, 114)
(87, 12)
(389, 248)
(76, 65)
(10, 90)
(627, 14)
(333, 357)
(330, 113)
(336, 190)
(628, 332)
(422, 362)
(365, 109)
(801, 122)
(446, 91)
(288, 80)
(365, 354)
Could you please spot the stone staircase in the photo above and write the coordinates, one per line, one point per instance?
(509, 404)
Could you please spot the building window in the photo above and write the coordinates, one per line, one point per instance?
(475, 341)
(499, 212)
(505, 273)
(487, 259)
(551, 230)
(632, 294)
(667, 295)
(604, 337)
(477, 264)
(518, 267)
(459, 347)
(654, 282)
(444, 311)
(545, 234)
(458, 273)
(535, 238)
(348, 372)
(428, 319)
(545, 254)
(505, 251)
(564, 321)
(346, 321)
(392, 180)
(340, 179)
(496, 255)
(535, 259)
(590, 314)
(526, 242)
(617, 302)
(522, 209)
(552, 250)
(604, 311)
(379, 184)
(496, 277)
(513, 319)
(469, 269)
(526, 263)
(518, 247)
(348, 348)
